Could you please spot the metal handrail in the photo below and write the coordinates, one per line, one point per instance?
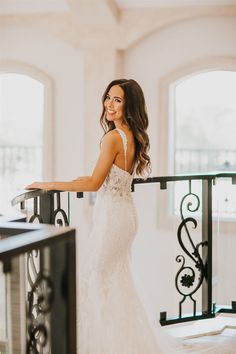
(157, 179)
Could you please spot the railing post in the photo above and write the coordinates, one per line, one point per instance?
(15, 314)
(207, 251)
(63, 317)
(46, 208)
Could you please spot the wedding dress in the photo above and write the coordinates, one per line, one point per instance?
(112, 319)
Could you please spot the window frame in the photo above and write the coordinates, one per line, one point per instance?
(166, 126)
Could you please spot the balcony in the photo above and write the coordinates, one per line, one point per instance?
(183, 243)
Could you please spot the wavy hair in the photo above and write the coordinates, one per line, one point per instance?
(135, 116)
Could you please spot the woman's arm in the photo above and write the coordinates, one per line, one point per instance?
(109, 150)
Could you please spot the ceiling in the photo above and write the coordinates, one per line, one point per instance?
(62, 6)
(166, 3)
(33, 6)
(98, 23)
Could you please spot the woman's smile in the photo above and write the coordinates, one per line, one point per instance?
(110, 111)
(114, 104)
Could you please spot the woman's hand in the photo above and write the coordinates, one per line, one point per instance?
(34, 185)
(39, 185)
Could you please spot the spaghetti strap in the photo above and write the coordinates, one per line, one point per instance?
(124, 141)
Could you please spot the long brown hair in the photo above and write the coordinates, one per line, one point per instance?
(135, 116)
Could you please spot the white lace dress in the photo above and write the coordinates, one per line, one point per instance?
(112, 319)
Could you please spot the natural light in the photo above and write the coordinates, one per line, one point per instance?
(205, 121)
(205, 126)
(21, 135)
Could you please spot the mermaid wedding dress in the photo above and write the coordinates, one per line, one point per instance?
(112, 319)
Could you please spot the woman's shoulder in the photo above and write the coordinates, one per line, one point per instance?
(112, 136)
(111, 139)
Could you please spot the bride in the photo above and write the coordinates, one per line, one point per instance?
(112, 319)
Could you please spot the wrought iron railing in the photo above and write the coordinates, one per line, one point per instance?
(38, 262)
(194, 259)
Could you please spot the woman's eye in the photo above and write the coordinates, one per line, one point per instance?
(117, 100)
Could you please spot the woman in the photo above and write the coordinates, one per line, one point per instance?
(124, 117)
(112, 319)
(109, 316)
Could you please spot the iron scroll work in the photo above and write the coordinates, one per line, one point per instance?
(195, 271)
(41, 288)
(194, 266)
(189, 278)
(40, 299)
(50, 285)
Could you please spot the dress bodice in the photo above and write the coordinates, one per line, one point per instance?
(119, 181)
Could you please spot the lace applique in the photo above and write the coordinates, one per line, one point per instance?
(118, 182)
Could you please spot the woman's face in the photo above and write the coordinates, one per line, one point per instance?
(114, 104)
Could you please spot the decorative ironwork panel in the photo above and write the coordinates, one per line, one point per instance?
(40, 299)
(189, 278)
(40, 294)
(59, 215)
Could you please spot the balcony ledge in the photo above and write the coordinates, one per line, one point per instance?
(211, 327)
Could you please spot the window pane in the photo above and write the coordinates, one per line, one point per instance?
(205, 116)
(21, 135)
(205, 123)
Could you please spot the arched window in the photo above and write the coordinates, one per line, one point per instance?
(21, 134)
(205, 123)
